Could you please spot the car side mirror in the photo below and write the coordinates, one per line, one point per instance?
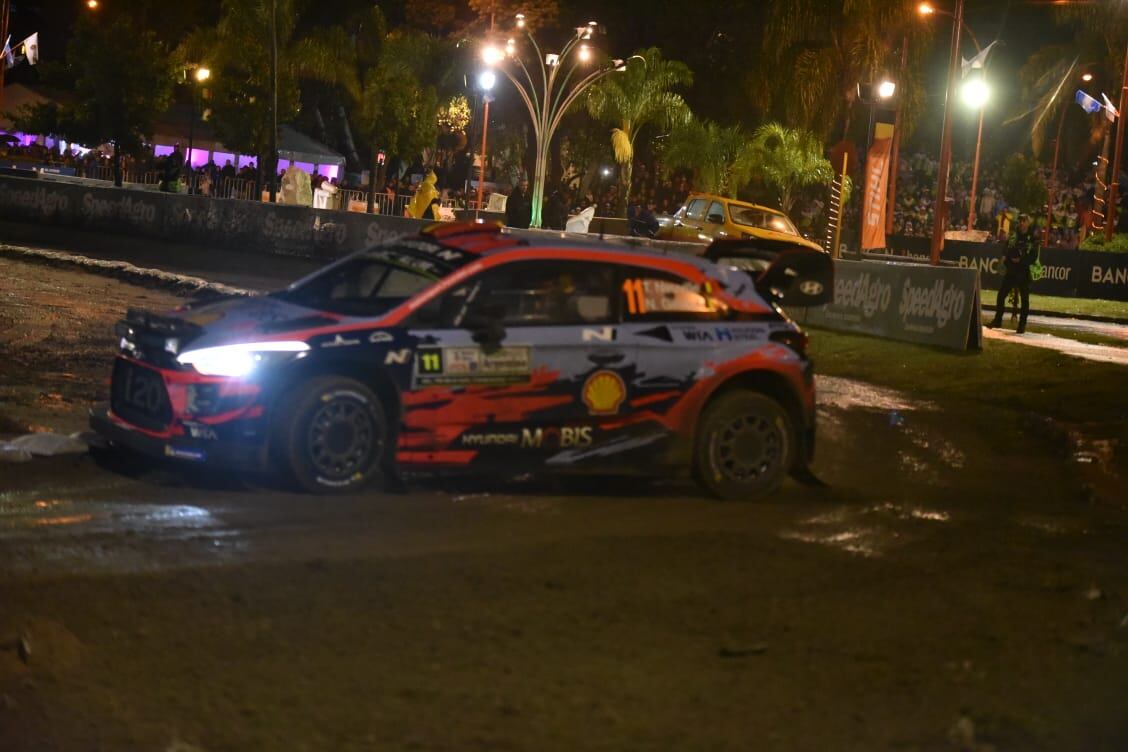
(799, 278)
(485, 324)
(717, 219)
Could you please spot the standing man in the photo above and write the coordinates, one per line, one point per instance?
(518, 207)
(1022, 252)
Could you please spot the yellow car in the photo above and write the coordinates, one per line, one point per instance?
(706, 217)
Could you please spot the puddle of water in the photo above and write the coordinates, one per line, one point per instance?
(20, 520)
(866, 531)
(848, 393)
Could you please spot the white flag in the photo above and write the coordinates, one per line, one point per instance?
(1110, 112)
(31, 48)
(978, 61)
(9, 58)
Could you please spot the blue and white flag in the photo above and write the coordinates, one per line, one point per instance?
(1088, 104)
(9, 58)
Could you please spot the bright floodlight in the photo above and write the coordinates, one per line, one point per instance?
(606, 172)
(202, 74)
(975, 93)
(487, 79)
(492, 55)
(92, 4)
(1087, 77)
(886, 89)
(585, 53)
(520, 20)
(925, 9)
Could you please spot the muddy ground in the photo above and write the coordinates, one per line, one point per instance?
(961, 584)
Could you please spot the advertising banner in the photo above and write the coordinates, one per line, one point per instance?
(877, 185)
(929, 305)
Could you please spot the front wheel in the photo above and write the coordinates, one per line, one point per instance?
(332, 434)
(746, 443)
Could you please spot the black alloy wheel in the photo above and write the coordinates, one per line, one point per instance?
(745, 446)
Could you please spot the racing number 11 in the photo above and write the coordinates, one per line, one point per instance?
(431, 362)
(636, 298)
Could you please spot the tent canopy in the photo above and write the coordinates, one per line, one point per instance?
(298, 147)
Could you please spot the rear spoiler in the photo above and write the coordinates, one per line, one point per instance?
(789, 274)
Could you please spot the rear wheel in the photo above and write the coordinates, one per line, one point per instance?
(745, 446)
(332, 434)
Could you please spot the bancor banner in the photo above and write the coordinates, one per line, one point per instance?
(931, 305)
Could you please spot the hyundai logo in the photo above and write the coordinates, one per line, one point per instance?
(810, 287)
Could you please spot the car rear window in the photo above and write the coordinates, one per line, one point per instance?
(763, 219)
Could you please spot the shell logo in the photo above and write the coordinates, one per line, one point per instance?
(604, 392)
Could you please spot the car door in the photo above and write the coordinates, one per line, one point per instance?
(675, 328)
(715, 220)
(517, 401)
(687, 228)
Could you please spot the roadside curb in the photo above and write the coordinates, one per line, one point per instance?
(1061, 315)
(180, 283)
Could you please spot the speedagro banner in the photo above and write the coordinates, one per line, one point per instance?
(910, 302)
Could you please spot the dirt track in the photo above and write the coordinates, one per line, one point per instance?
(952, 589)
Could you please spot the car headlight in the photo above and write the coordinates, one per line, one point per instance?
(236, 360)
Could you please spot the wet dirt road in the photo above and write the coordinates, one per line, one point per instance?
(953, 588)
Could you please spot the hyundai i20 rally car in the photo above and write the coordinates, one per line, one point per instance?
(464, 347)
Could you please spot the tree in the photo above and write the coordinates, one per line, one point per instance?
(238, 52)
(787, 160)
(1022, 185)
(119, 90)
(639, 96)
(817, 52)
(720, 157)
(396, 110)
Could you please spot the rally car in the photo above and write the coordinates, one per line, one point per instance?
(467, 347)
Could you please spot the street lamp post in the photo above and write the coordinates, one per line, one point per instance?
(895, 147)
(549, 97)
(486, 81)
(1114, 184)
(201, 74)
(975, 94)
(946, 134)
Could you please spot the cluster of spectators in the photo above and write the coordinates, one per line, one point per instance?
(1071, 214)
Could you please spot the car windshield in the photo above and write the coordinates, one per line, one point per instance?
(371, 283)
(762, 219)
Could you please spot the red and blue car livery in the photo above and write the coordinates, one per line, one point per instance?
(466, 347)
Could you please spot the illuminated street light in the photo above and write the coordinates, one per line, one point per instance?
(92, 4)
(1087, 77)
(549, 87)
(487, 79)
(886, 89)
(975, 93)
(520, 20)
(202, 73)
(492, 55)
(925, 9)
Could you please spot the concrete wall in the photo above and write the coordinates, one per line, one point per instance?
(222, 223)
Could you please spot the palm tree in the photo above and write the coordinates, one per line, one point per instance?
(721, 157)
(818, 51)
(638, 96)
(787, 160)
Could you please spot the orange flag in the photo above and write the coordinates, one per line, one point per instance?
(873, 205)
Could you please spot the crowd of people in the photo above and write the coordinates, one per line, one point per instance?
(652, 193)
(1070, 217)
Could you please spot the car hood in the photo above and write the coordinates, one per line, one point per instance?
(782, 238)
(246, 319)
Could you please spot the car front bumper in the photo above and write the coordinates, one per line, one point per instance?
(220, 454)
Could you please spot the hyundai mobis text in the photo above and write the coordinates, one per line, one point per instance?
(464, 347)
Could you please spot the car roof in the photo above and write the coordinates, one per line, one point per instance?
(491, 240)
(716, 197)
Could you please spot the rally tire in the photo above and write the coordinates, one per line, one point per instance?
(746, 444)
(331, 435)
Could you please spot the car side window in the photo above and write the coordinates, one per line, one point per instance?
(652, 295)
(716, 213)
(536, 293)
(695, 209)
